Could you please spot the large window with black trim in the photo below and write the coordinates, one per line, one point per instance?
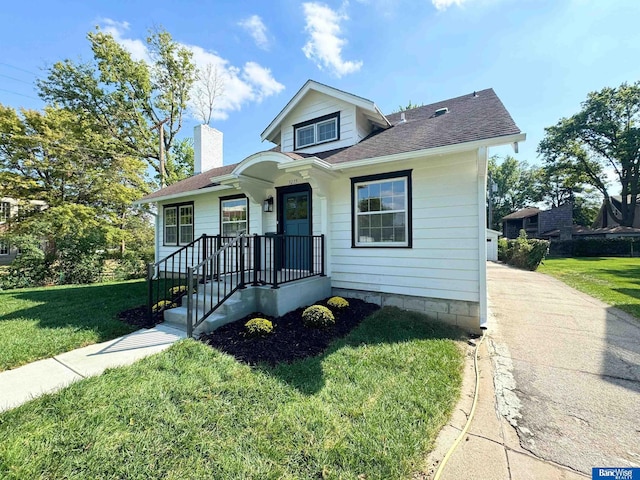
(381, 206)
(234, 215)
(319, 130)
(178, 224)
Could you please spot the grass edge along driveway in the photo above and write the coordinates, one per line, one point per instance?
(370, 407)
(614, 280)
(37, 323)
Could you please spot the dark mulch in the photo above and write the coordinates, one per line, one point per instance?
(290, 339)
(138, 317)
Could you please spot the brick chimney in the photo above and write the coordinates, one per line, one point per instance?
(207, 148)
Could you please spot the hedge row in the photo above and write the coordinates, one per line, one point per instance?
(522, 252)
(596, 247)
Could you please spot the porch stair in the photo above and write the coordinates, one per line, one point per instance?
(239, 305)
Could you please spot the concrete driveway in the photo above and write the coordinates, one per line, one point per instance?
(567, 370)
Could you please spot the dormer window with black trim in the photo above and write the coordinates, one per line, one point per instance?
(316, 131)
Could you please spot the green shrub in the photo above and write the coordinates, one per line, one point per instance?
(523, 252)
(318, 316)
(596, 247)
(163, 305)
(504, 252)
(258, 327)
(338, 303)
(29, 268)
(178, 290)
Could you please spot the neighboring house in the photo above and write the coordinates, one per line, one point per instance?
(539, 223)
(10, 208)
(605, 220)
(390, 208)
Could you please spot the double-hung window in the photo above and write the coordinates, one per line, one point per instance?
(318, 130)
(5, 211)
(382, 210)
(178, 224)
(234, 216)
(4, 248)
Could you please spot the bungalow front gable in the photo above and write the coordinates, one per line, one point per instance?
(390, 208)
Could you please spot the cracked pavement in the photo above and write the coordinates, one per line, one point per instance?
(566, 371)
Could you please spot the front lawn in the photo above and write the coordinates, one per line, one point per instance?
(37, 323)
(613, 280)
(369, 407)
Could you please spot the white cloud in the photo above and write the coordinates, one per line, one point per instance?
(325, 44)
(241, 85)
(257, 29)
(444, 4)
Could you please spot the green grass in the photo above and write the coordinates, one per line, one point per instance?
(37, 323)
(370, 407)
(613, 280)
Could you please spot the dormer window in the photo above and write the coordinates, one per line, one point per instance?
(316, 131)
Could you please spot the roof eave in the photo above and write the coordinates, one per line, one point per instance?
(269, 132)
(427, 152)
(189, 193)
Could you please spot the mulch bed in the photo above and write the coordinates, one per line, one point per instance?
(290, 339)
(138, 317)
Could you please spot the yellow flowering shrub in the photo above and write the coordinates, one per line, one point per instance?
(318, 316)
(257, 327)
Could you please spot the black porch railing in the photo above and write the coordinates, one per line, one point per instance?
(210, 269)
(167, 278)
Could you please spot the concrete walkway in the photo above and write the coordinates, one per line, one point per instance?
(559, 386)
(567, 371)
(44, 376)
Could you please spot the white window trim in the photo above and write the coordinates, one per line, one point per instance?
(315, 125)
(357, 214)
(4, 246)
(245, 221)
(5, 214)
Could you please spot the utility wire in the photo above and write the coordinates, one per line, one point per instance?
(15, 79)
(18, 68)
(21, 94)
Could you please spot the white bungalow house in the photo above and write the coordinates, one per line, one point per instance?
(389, 208)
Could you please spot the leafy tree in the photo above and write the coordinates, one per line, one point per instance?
(512, 186)
(603, 136)
(125, 98)
(409, 106)
(61, 158)
(179, 161)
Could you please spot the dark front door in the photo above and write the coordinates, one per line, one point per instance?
(296, 227)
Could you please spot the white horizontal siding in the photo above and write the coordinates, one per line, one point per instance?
(206, 211)
(443, 262)
(315, 105)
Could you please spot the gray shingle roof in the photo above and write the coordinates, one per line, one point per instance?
(524, 213)
(469, 118)
(194, 183)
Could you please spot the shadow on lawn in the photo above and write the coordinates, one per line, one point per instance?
(386, 326)
(91, 307)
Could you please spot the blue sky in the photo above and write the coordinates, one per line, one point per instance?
(541, 57)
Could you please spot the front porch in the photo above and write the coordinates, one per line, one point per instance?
(215, 280)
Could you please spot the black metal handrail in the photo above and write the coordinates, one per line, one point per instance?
(166, 278)
(215, 279)
(212, 268)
